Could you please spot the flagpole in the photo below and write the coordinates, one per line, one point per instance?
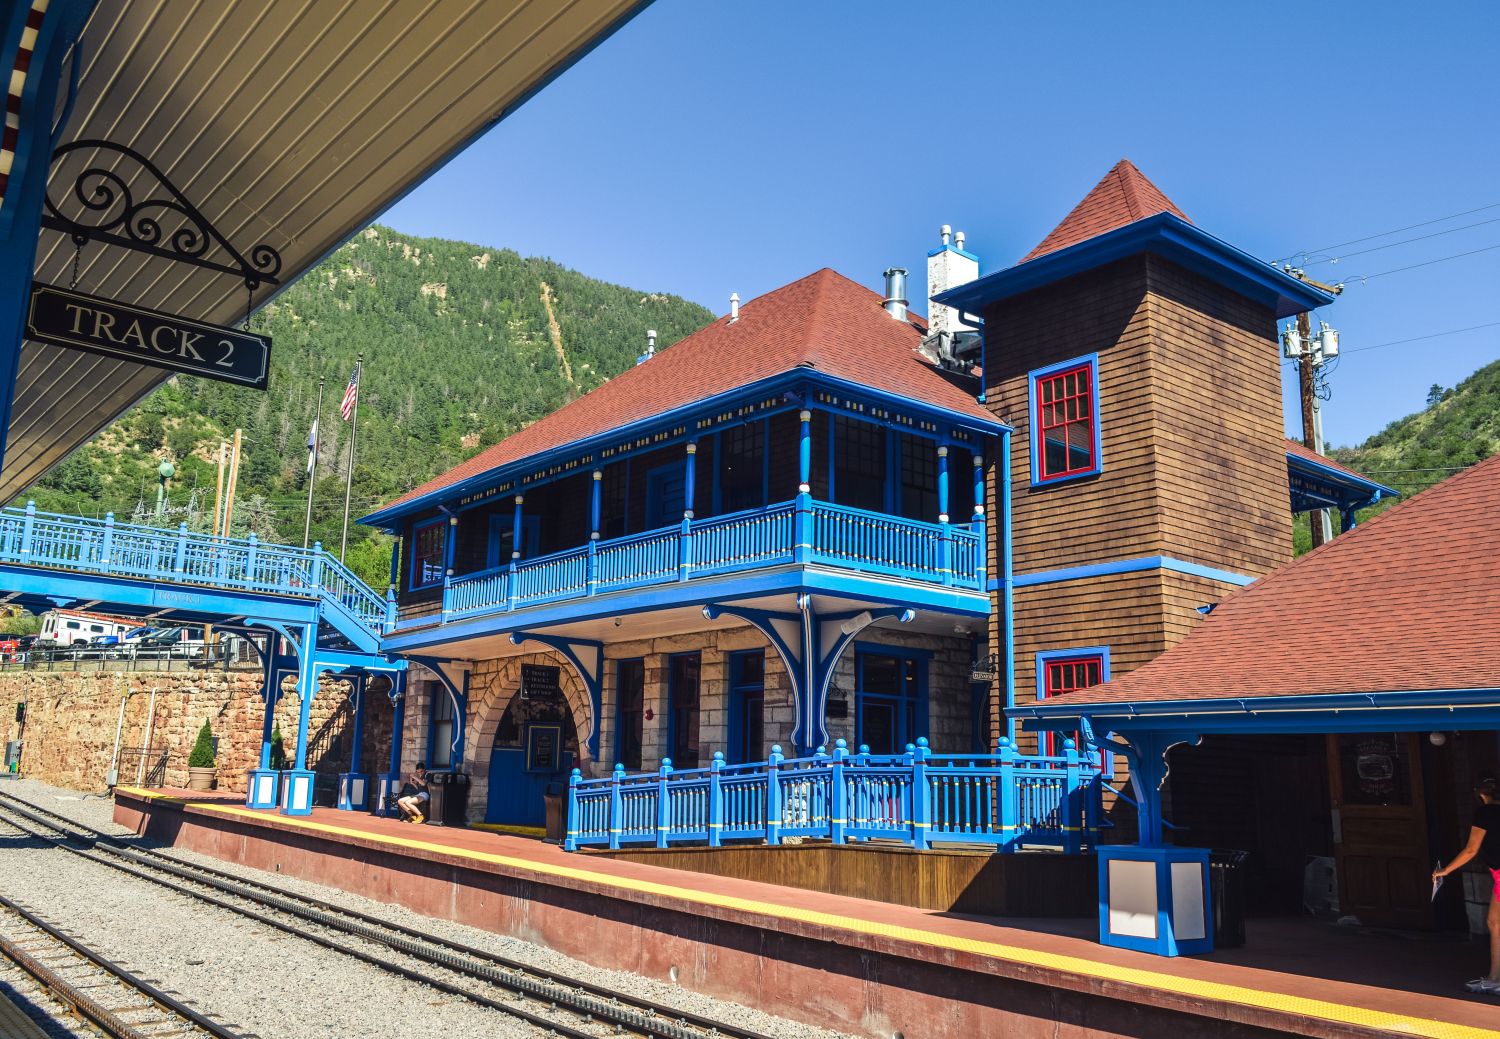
(359, 365)
(312, 470)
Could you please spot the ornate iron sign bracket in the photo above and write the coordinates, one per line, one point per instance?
(110, 213)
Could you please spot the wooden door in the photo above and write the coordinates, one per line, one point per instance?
(1380, 828)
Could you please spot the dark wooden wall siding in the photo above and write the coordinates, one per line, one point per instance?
(563, 507)
(784, 451)
(1220, 455)
(1182, 594)
(640, 465)
(1267, 793)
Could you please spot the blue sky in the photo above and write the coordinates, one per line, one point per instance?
(710, 148)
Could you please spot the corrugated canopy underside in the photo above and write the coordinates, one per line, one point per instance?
(289, 122)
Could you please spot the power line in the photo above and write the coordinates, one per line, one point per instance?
(1383, 234)
(1426, 263)
(1417, 339)
(1404, 241)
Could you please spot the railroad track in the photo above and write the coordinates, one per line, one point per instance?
(552, 1002)
(93, 988)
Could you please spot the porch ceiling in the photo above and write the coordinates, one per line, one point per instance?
(289, 122)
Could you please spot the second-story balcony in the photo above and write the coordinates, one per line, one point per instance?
(799, 533)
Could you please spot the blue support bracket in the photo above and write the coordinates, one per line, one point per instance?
(587, 658)
(453, 675)
(810, 645)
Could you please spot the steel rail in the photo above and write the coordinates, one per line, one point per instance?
(108, 1019)
(593, 1001)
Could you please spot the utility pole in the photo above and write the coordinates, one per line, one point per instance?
(1310, 357)
(219, 490)
(234, 481)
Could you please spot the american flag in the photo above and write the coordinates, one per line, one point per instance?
(351, 394)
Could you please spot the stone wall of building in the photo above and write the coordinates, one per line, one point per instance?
(494, 683)
(71, 720)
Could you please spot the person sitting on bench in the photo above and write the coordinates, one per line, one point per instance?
(413, 797)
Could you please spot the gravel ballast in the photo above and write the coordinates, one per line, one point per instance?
(274, 984)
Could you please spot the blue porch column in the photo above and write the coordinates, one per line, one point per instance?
(297, 794)
(1153, 897)
(976, 523)
(802, 519)
(804, 452)
(685, 542)
(48, 34)
(1007, 585)
(354, 784)
(515, 549)
(264, 781)
(945, 542)
(596, 509)
(390, 782)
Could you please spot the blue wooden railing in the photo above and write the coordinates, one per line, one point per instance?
(1008, 800)
(804, 530)
(75, 543)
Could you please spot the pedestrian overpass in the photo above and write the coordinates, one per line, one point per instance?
(306, 613)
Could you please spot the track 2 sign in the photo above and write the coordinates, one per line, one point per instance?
(71, 319)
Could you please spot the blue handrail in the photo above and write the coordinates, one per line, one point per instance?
(1006, 799)
(129, 550)
(849, 538)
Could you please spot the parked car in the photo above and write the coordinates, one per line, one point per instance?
(176, 642)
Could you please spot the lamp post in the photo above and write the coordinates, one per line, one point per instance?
(164, 472)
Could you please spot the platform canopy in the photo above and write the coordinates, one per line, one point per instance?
(291, 123)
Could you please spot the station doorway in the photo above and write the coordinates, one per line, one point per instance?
(1346, 826)
(536, 744)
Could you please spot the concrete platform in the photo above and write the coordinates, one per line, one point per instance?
(860, 966)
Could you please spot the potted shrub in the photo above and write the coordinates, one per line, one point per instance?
(201, 770)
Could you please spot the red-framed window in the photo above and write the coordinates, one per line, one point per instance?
(1065, 421)
(1073, 674)
(1068, 675)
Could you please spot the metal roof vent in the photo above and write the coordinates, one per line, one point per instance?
(650, 347)
(895, 292)
(734, 307)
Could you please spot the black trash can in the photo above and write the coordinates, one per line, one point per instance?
(1226, 880)
(437, 797)
(455, 800)
(557, 813)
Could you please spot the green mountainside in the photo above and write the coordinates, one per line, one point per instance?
(463, 346)
(1459, 426)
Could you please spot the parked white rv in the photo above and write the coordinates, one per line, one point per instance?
(64, 628)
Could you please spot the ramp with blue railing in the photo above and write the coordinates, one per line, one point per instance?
(181, 576)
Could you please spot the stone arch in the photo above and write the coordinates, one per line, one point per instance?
(492, 685)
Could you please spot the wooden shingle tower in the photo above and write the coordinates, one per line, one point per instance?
(1136, 357)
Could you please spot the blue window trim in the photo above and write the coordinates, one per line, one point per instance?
(1092, 360)
(863, 650)
(411, 568)
(619, 666)
(1052, 656)
(738, 687)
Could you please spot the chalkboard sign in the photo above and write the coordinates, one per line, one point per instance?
(543, 745)
(541, 682)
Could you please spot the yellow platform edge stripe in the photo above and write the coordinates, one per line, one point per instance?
(1193, 987)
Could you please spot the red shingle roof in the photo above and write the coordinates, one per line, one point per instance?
(1122, 197)
(1301, 450)
(823, 321)
(1406, 601)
